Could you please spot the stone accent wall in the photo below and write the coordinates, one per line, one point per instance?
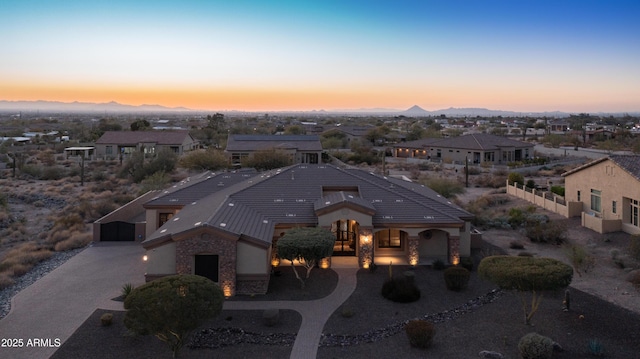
(365, 250)
(248, 286)
(206, 243)
(454, 250)
(412, 250)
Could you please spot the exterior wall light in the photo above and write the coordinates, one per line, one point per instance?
(145, 258)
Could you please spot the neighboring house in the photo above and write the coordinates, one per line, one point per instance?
(229, 233)
(351, 132)
(558, 127)
(476, 148)
(609, 190)
(114, 144)
(414, 149)
(301, 148)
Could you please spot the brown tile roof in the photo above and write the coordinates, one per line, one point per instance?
(237, 143)
(291, 195)
(135, 137)
(419, 144)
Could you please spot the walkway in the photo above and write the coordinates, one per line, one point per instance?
(57, 304)
(315, 313)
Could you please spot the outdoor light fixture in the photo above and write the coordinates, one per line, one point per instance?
(324, 263)
(145, 258)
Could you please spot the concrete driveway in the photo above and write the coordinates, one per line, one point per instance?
(45, 314)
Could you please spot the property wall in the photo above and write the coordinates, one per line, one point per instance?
(162, 260)
(539, 199)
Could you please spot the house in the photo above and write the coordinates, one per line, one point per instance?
(302, 148)
(609, 191)
(114, 144)
(229, 234)
(476, 148)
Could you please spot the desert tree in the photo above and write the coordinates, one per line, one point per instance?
(204, 160)
(268, 159)
(171, 307)
(526, 274)
(308, 245)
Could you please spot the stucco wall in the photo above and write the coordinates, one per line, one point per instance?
(162, 260)
(435, 247)
(252, 259)
(327, 219)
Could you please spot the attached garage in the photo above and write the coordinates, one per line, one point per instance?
(117, 232)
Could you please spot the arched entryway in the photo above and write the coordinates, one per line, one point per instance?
(346, 232)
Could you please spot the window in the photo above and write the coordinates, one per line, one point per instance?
(389, 238)
(596, 200)
(164, 218)
(634, 211)
(614, 207)
(108, 150)
(175, 149)
(578, 196)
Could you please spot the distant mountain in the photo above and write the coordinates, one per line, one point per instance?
(55, 106)
(415, 110)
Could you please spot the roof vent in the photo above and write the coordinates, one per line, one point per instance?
(265, 221)
(291, 214)
(223, 224)
(376, 201)
(197, 223)
(429, 217)
(231, 204)
(176, 219)
(278, 200)
(301, 200)
(164, 230)
(173, 200)
(399, 200)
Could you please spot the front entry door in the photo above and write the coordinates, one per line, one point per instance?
(346, 238)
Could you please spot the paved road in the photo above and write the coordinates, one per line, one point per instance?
(57, 304)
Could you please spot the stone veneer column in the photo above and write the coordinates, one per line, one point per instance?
(412, 250)
(205, 243)
(365, 247)
(454, 250)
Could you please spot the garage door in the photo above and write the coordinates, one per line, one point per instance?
(117, 231)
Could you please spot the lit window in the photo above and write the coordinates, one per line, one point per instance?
(389, 238)
(164, 218)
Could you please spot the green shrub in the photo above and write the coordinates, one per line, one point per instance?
(515, 177)
(438, 264)
(543, 232)
(467, 263)
(106, 319)
(420, 333)
(581, 260)
(400, 290)
(127, 288)
(456, 278)
(531, 184)
(535, 346)
(559, 190)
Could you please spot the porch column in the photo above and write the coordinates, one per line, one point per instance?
(454, 250)
(412, 252)
(365, 247)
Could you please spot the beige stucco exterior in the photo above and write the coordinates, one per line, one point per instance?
(617, 190)
(161, 260)
(252, 259)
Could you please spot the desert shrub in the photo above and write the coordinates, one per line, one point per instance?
(347, 312)
(438, 264)
(446, 187)
(634, 246)
(516, 245)
(531, 184)
(31, 171)
(268, 159)
(580, 259)
(490, 180)
(155, 181)
(98, 176)
(535, 346)
(456, 278)
(53, 173)
(420, 333)
(541, 231)
(77, 240)
(5, 280)
(467, 263)
(401, 290)
(106, 319)
(472, 171)
(127, 288)
(515, 177)
(203, 160)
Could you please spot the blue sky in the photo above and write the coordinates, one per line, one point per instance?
(576, 56)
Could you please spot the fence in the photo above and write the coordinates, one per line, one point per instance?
(545, 199)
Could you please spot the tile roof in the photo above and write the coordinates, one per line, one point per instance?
(136, 137)
(479, 141)
(630, 163)
(263, 142)
(419, 144)
(292, 195)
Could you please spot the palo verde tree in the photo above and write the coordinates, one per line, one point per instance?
(308, 245)
(171, 307)
(526, 274)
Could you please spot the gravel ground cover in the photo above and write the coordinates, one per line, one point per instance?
(467, 322)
